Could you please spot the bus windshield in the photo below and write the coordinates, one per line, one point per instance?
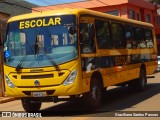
(41, 42)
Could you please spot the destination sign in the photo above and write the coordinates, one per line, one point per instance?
(41, 22)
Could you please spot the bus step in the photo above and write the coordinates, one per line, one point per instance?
(150, 76)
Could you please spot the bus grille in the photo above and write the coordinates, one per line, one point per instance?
(37, 76)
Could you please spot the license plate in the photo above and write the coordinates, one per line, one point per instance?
(38, 94)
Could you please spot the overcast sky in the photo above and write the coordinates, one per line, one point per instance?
(50, 2)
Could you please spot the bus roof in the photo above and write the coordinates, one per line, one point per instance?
(77, 11)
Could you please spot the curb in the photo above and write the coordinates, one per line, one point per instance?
(7, 99)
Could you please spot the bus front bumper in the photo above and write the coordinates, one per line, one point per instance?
(60, 90)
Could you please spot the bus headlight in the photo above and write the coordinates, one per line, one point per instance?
(70, 79)
(9, 82)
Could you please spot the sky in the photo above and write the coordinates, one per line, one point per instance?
(50, 2)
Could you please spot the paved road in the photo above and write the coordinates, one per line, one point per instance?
(117, 99)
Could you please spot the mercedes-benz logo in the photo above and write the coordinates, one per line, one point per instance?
(36, 83)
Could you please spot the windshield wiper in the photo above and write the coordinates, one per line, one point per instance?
(51, 60)
(20, 63)
(19, 66)
(37, 50)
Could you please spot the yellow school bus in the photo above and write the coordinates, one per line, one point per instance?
(76, 53)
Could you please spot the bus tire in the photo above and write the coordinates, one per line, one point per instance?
(142, 81)
(94, 98)
(139, 84)
(29, 106)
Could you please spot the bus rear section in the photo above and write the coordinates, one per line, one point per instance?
(115, 52)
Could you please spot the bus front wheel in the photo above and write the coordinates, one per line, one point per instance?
(30, 106)
(94, 97)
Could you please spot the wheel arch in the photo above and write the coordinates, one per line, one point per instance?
(98, 75)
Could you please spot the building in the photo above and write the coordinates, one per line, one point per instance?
(142, 10)
(9, 8)
(15, 7)
(3, 20)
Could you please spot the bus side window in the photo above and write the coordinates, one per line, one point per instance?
(139, 37)
(130, 36)
(87, 38)
(117, 35)
(149, 38)
(103, 34)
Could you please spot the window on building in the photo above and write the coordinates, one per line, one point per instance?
(131, 14)
(138, 17)
(158, 20)
(114, 12)
(148, 18)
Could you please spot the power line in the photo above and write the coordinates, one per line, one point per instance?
(102, 2)
(90, 1)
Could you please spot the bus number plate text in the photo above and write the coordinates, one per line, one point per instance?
(38, 94)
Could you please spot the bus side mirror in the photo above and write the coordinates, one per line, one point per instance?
(72, 30)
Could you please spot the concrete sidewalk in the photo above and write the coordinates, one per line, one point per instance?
(7, 99)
